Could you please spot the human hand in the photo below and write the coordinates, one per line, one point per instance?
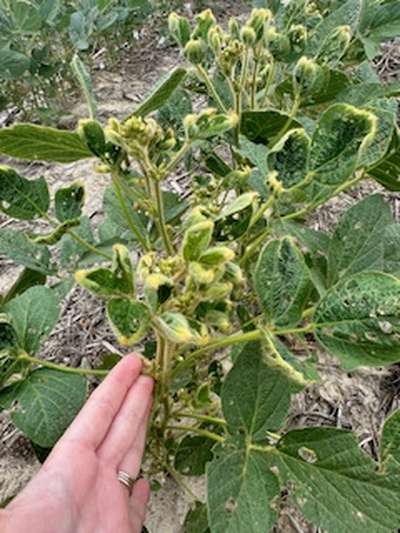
(77, 490)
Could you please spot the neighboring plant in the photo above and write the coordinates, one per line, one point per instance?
(38, 39)
(296, 116)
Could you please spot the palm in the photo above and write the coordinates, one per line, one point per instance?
(77, 487)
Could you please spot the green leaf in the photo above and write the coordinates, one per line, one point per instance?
(196, 520)
(82, 75)
(47, 401)
(262, 126)
(240, 203)
(342, 134)
(8, 337)
(129, 319)
(197, 239)
(379, 21)
(161, 92)
(117, 215)
(17, 247)
(387, 171)
(385, 128)
(361, 94)
(72, 252)
(40, 143)
(255, 397)
(289, 158)
(174, 206)
(335, 484)
(357, 242)
(390, 441)
(315, 241)
(241, 491)
(33, 315)
(192, 455)
(282, 282)
(27, 279)
(176, 328)
(13, 64)
(22, 198)
(391, 254)
(69, 202)
(359, 320)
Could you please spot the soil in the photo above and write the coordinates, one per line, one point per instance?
(359, 402)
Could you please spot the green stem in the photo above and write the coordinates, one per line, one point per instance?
(202, 432)
(161, 219)
(284, 129)
(239, 93)
(216, 345)
(211, 88)
(253, 100)
(293, 331)
(271, 75)
(87, 245)
(121, 200)
(63, 368)
(254, 245)
(203, 418)
(177, 157)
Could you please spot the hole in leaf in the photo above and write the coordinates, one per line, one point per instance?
(307, 454)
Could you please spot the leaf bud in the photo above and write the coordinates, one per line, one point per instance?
(199, 274)
(196, 240)
(305, 75)
(215, 39)
(258, 20)
(217, 255)
(175, 327)
(92, 134)
(218, 291)
(209, 123)
(298, 37)
(146, 265)
(205, 20)
(195, 51)
(248, 35)
(234, 273)
(234, 28)
(335, 45)
(197, 215)
(179, 28)
(278, 44)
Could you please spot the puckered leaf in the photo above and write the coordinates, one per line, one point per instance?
(192, 455)
(33, 315)
(241, 490)
(69, 202)
(21, 198)
(129, 319)
(335, 484)
(289, 158)
(46, 403)
(359, 320)
(197, 239)
(255, 397)
(17, 247)
(390, 442)
(357, 242)
(176, 328)
(341, 135)
(40, 143)
(263, 126)
(282, 281)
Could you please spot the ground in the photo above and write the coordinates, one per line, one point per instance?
(359, 402)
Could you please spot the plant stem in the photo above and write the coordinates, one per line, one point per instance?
(161, 218)
(203, 418)
(239, 93)
(211, 88)
(253, 101)
(293, 331)
(284, 129)
(63, 368)
(202, 432)
(121, 200)
(87, 245)
(178, 156)
(271, 75)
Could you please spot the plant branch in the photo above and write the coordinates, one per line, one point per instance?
(203, 418)
(202, 432)
(161, 219)
(87, 245)
(63, 368)
(211, 88)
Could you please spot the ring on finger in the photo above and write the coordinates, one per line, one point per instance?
(125, 479)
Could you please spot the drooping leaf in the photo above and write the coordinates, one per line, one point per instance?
(361, 94)
(262, 126)
(129, 319)
(281, 281)
(69, 202)
(341, 135)
(196, 520)
(193, 454)
(335, 484)
(390, 441)
(174, 206)
(257, 154)
(357, 242)
(46, 403)
(289, 158)
(359, 320)
(241, 490)
(27, 279)
(41, 143)
(161, 92)
(17, 247)
(22, 198)
(33, 315)
(255, 397)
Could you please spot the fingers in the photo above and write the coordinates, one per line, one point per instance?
(128, 429)
(138, 504)
(96, 417)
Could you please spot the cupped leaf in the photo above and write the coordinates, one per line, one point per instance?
(242, 490)
(341, 135)
(359, 320)
(56, 234)
(255, 397)
(387, 170)
(17, 247)
(335, 484)
(263, 126)
(192, 455)
(282, 281)
(289, 158)
(357, 243)
(196, 240)
(22, 198)
(129, 319)
(176, 328)
(82, 75)
(69, 202)
(41, 143)
(161, 92)
(44, 404)
(33, 315)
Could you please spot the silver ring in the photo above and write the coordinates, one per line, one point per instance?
(125, 479)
